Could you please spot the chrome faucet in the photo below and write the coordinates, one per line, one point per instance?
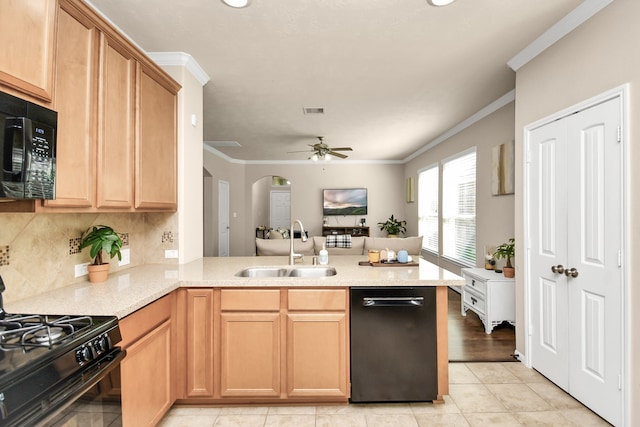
(303, 236)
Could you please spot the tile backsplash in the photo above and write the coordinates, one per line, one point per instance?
(44, 246)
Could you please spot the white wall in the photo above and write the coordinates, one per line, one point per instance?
(599, 55)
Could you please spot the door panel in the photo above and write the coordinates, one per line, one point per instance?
(575, 222)
(595, 296)
(549, 248)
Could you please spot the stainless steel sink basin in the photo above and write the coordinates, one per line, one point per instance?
(312, 272)
(262, 272)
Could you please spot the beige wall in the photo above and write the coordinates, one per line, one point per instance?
(384, 182)
(40, 258)
(190, 183)
(598, 56)
(494, 214)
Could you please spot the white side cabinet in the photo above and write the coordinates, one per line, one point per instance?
(490, 295)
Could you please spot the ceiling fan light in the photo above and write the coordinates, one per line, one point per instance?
(314, 157)
(236, 3)
(440, 2)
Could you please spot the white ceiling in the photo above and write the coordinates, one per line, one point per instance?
(392, 75)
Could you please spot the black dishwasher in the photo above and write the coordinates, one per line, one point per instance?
(393, 344)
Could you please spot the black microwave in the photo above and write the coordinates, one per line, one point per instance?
(27, 149)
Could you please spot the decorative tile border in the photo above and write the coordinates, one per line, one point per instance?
(125, 238)
(74, 245)
(4, 255)
(167, 236)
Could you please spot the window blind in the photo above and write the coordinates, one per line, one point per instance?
(428, 208)
(459, 208)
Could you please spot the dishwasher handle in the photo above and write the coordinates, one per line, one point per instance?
(393, 301)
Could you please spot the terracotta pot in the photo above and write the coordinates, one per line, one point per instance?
(98, 273)
(509, 272)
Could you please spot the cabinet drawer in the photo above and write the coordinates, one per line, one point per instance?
(475, 301)
(480, 286)
(250, 300)
(318, 299)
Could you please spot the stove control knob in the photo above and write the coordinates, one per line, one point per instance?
(83, 355)
(101, 344)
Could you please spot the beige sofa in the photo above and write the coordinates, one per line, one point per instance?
(359, 245)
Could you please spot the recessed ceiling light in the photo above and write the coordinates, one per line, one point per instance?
(236, 3)
(440, 2)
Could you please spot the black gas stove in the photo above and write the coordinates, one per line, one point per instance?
(47, 362)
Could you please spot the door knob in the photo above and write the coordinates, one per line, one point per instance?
(571, 272)
(558, 269)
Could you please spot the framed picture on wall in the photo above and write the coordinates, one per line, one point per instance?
(503, 169)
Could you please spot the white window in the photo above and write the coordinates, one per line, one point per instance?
(459, 208)
(428, 184)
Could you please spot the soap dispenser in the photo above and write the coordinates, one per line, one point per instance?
(324, 256)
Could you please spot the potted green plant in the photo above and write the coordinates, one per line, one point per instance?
(507, 251)
(393, 226)
(100, 238)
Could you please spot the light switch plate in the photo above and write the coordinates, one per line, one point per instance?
(126, 257)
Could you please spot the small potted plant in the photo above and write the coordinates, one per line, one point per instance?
(100, 238)
(507, 251)
(393, 226)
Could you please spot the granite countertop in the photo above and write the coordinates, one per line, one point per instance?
(129, 290)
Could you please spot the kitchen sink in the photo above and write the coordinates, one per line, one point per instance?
(312, 272)
(262, 272)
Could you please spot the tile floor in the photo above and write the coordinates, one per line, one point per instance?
(480, 394)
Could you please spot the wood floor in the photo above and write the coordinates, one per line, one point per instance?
(469, 343)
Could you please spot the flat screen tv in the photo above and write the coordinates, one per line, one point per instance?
(344, 201)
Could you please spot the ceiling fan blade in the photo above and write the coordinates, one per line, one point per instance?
(340, 155)
(341, 149)
(299, 151)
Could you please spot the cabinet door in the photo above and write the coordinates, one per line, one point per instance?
(250, 354)
(199, 351)
(27, 37)
(115, 137)
(146, 378)
(156, 146)
(76, 86)
(317, 355)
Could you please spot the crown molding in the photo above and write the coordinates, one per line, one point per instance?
(570, 22)
(505, 99)
(181, 59)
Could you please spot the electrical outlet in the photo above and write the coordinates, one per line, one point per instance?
(81, 269)
(171, 253)
(126, 257)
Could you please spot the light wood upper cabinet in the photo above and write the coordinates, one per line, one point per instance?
(116, 127)
(156, 184)
(76, 103)
(27, 31)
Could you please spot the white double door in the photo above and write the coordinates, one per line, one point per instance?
(575, 239)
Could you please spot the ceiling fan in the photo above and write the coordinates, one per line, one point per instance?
(322, 151)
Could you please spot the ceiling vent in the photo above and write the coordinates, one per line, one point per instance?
(313, 110)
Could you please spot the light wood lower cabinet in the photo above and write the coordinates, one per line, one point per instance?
(268, 345)
(147, 369)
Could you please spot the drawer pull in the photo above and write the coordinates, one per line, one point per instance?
(473, 282)
(473, 301)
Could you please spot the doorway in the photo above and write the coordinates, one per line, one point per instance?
(574, 231)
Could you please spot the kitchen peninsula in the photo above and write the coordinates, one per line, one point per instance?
(208, 317)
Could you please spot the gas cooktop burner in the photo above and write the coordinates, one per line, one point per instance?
(28, 331)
